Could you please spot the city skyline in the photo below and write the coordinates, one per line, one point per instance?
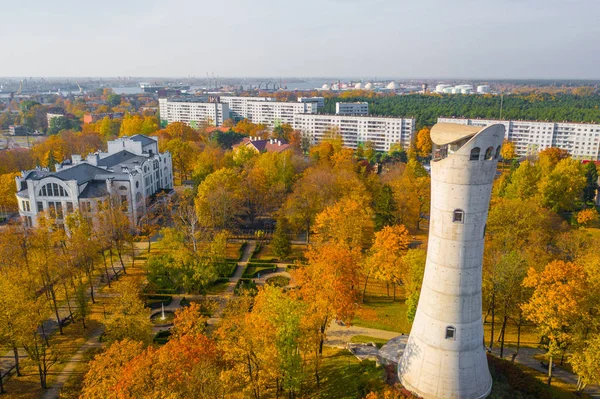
(331, 38)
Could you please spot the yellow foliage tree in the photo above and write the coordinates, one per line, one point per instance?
(424, 143)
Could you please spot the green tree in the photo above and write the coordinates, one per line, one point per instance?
(280, 243)
(591, 183)
(562, 189)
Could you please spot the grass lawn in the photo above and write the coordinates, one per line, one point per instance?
(365, 339)
(265, 253)
(382, 312)
(343, 376)
(529, 336)
(233, 250)
(217, 288)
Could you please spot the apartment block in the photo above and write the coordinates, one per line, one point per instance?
(192, 111)
(381, 131)
(581, 140)
(357, 108)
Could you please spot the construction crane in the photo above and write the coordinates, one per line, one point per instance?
(20, 87)
(80, 89)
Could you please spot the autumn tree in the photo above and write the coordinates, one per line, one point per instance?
(414, 266)
(220, 200)
(347, 223)
(424, 143)
(557, 303)
(105, 370)
(562, 189)
(587, 217)
(188, 321)
(129, 319)
(385, 257)
(329, 285)
(508, 150)
(585, 363)
(591, 183)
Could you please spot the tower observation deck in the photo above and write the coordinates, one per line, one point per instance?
(445, 355)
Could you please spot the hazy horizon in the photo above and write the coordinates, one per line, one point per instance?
(434, 39)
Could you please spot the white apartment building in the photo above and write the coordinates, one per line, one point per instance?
(238, 106)
(192, 111)
(265, 110)
(357, 108)
(381, 131)
(581, 140)
(132, 170)
(320, 101)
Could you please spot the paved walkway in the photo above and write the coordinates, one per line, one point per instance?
(69, 369)
(50, 326)
(338, 336)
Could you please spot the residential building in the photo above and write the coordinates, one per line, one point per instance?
(259, 145)
(320, 101)
(445, 356)
(581, 140)
(192, 111)
(266, 110)
(91, 118)
(132, 170)
(357, 108)
(381, 131)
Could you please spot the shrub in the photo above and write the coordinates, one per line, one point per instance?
(252, 270)
(242, 248)
(278, 281)
(245, 285)
(156, 301)
(162, 337)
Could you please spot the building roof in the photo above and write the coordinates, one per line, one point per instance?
(264, 145)
(82, 172)
(446, 133)
(94, 189)
(145, 140)
(119, 157)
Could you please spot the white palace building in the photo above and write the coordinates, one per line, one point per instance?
(132, 170)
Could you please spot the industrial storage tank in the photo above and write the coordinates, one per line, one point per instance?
(484, 89)
(369, 86)
(391, 86)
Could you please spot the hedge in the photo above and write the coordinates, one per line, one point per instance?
(245, 284)
(156, 301)
(162, 337)
(252, 270)
(227, 269)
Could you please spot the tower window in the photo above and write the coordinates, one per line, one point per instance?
(498, 151)
(475, 154)
(489, 154)
(450, 332)
(458, 216)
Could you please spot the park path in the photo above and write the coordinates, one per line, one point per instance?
(233, 280)
(338, 336)
(69, 369)
(50, 325)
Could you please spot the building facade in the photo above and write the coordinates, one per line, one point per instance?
(381, 131)
(192, 111)
(581, 140)
(445, 357)
(267, 111)
(320, 101)
(358, 108)
(132, 170)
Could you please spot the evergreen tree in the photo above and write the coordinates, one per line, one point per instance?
(280, 243)
(385, 208)
(591, 186)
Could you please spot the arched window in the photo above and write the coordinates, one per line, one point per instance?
(489, 154)
(475, 154)
(138, 197)
(458, 216)
(122, 188)
(450, 332)
(52, 190)
(498, 151)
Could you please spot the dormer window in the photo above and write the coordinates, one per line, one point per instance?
(458, 216)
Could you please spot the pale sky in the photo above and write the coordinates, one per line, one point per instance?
(307, 38)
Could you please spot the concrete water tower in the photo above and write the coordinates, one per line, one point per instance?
(444, 357)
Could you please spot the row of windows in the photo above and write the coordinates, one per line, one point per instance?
(489, 153)
(53, 190)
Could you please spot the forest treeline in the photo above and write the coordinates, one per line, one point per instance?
(427, 108)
